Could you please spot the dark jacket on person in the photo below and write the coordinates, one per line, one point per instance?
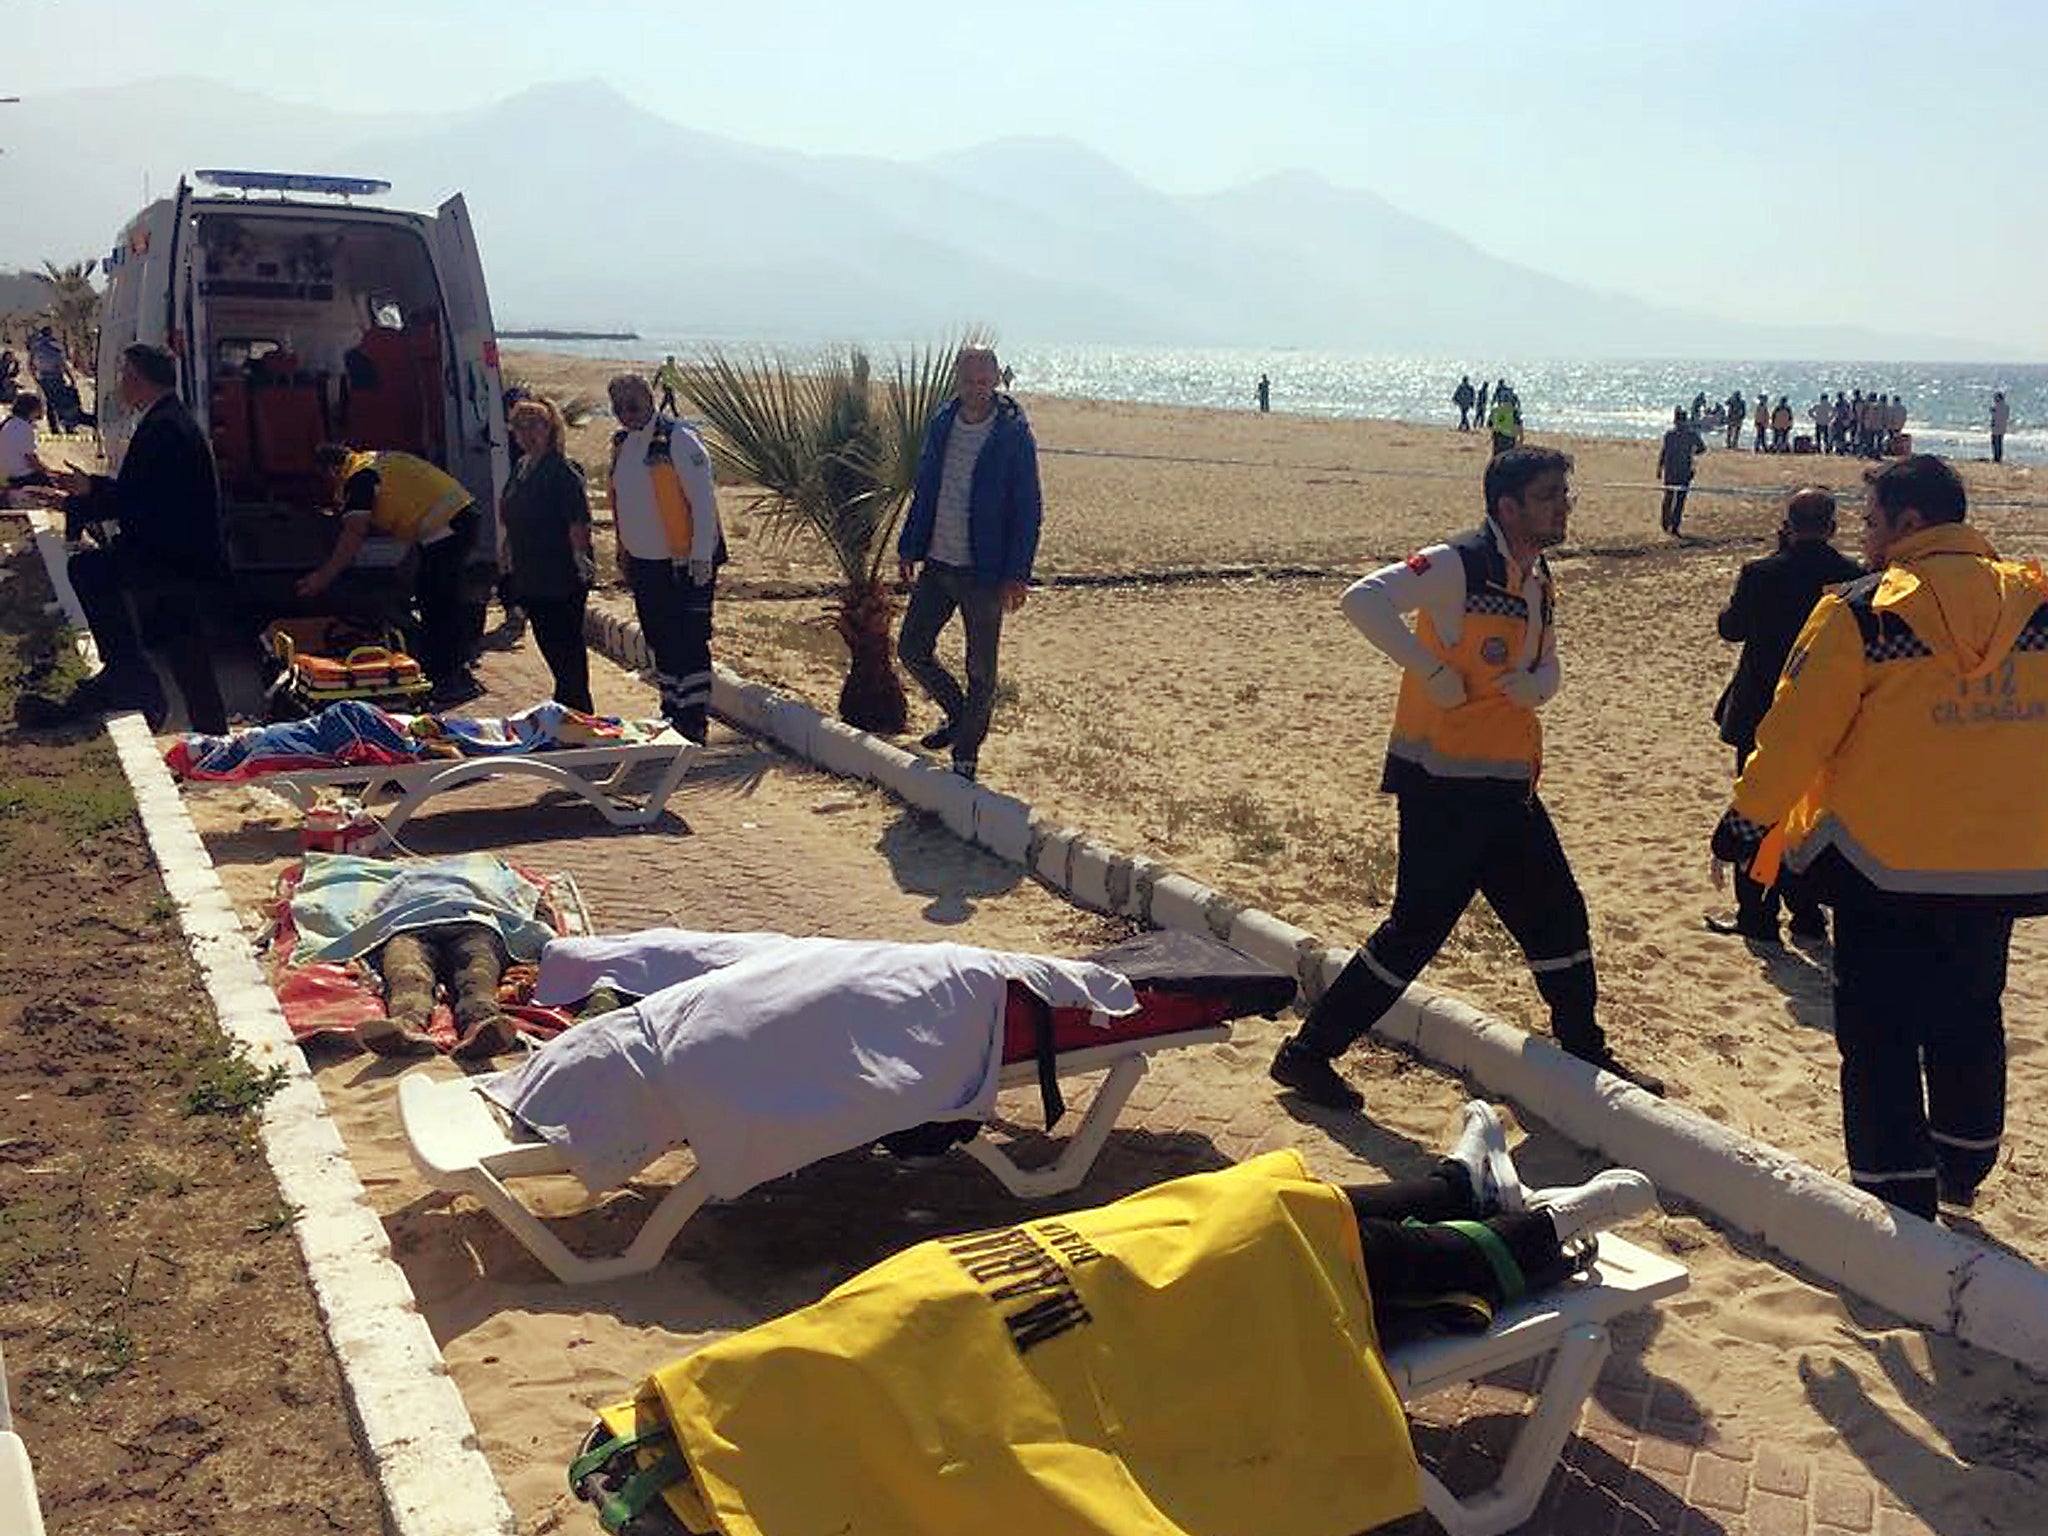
(166, 499)
(545, 499)
(1771, 601)
(1003, 505)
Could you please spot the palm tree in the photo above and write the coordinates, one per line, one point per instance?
(74, 305)
(836, 454)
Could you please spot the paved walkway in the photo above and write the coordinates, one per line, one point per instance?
(775, 846)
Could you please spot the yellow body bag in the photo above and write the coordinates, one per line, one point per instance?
(1196, 1358)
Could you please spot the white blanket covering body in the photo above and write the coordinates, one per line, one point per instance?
(765, 1053)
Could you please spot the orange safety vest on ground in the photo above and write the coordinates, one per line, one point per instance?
(1908, 738)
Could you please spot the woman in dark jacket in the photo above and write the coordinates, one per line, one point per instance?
(547, 537)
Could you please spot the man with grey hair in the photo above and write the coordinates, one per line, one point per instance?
(665, 515)
(967, 545)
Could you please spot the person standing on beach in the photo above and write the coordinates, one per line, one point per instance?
(1765, 613)
(665, 510)
(1823, 416)
(1762, 423)
(1781, 426)
(1674, 468)
(1264, 393)
(1505, 423)
(1462, 397)
(967, 546)
(1462, 764)
(1479, 406)
(2001, 418)
(1738, 409)
(1899, 772)
(668, 378)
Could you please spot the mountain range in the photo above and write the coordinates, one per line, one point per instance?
(595, 212)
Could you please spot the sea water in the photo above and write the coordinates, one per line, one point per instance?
(1948, 404)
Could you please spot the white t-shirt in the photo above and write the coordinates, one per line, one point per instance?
(951, 544)
(17, 447)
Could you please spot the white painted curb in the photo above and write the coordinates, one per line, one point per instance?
(415, 1425)
(1928, 1274)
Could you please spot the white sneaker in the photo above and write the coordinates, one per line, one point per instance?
(1605, 1200)
(1483, 1149)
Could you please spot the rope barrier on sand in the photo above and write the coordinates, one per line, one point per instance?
(1756, 492)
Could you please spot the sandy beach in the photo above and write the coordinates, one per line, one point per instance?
(1184, 685)
(1232, 723)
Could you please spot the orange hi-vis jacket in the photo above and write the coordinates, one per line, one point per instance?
(415, 501)
(1489, 736)
(1908, 737)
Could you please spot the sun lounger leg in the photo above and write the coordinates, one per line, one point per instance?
(643, 1254)
(1514, 1497)
(1072, 1165)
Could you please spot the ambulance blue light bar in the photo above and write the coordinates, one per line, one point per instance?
(291, 181)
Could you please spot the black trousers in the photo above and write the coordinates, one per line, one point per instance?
(558, 631)
(1458, 838)
(1674, 505)
(940, 592)
(451, 613)
(1920, 1023)
(675, 616)
(1756, 906)
(1407, 1264)
(124, 602)
(1998, 447)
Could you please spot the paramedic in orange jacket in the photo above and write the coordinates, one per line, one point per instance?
(403, 497)
(1462, 764)
(665, 513)
(1900, 771)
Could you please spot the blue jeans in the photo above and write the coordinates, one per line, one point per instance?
(942, 590)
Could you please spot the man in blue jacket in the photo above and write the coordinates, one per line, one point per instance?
(968, 543)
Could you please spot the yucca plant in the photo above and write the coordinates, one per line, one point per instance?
(835, 453)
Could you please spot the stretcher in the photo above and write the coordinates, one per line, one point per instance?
(597, 774)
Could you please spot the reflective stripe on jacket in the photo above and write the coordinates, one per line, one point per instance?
(1909, 731)
(415, 501)
(1489, 736)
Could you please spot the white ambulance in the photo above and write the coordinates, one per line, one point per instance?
(300, 316)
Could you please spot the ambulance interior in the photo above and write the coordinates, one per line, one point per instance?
(312, 331)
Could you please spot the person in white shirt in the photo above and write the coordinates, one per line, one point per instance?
(665, 515)
(2001, 419)
(1823, 419)
(19, 464)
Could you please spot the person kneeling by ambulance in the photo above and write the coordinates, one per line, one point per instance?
(408, 499)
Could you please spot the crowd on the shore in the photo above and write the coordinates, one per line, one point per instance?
(1870, 425)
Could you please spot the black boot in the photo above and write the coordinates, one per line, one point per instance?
(1314, 1077)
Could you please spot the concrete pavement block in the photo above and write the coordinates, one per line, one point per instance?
(1054, 850)
(1002, 825)
(1178, 902)
(1270, 941)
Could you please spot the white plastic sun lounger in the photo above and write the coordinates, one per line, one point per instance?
(1569, 1324)
(464, 1144)
(595, 773)
(20, 1515)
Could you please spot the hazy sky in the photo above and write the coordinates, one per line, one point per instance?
(1862, 161)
